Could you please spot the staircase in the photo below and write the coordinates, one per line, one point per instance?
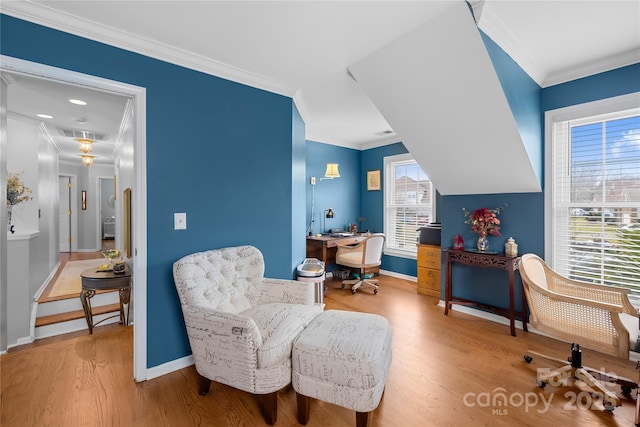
(56, 316)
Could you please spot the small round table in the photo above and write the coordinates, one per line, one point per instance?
(93, 281)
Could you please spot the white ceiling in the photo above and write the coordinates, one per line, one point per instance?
(303, 49)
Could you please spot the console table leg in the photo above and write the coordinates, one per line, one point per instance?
(512, 303)
(85, 296)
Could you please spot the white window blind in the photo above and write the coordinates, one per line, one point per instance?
(596, 198)
(409, 204)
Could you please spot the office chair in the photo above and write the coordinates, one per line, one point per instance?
(599, 317)
(363, 255)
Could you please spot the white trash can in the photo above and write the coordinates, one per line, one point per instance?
(312, 270)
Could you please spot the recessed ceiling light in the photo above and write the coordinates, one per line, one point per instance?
(78, 102)
(45, 116)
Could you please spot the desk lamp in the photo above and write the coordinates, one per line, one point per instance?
(329, 214)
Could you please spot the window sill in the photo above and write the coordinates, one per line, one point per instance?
(401, 254)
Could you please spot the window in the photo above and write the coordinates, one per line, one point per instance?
(594, 194)
(409, 204)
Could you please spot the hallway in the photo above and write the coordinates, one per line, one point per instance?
(72, 256)
(59, 312)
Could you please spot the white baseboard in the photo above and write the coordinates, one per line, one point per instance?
(390, 274)
(633, 356)
(482, 314)
(399, 275)
(19, 342)
(46, 281)
(168, 367)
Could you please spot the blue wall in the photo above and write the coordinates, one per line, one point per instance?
(373, 204)
(224, 153)
(620, 81)
(523, 96)
(340, 194)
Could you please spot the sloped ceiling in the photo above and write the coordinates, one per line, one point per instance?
(438, 90)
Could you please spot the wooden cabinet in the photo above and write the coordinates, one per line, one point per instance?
(429, 266)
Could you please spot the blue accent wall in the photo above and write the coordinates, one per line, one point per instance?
(523, 96)
(373, 204)
(228, 155)
(620, 81)
(522, 220)
(340, 194)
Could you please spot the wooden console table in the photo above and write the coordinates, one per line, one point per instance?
(93, 281)
(485, 260)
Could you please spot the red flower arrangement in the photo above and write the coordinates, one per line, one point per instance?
(484, 221)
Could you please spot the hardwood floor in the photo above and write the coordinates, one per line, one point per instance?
(72, 256)
(446, 371)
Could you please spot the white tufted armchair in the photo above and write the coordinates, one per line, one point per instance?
(241, 326)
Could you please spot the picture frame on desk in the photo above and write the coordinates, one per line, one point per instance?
(373, 180)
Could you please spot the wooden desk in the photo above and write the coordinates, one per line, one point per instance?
(324, 248)
(510, 264)
(93, 281)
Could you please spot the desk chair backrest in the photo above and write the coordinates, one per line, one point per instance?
(367, 253)
(599, 317)
(373, 251)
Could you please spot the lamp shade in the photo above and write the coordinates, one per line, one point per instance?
(332, 171)
(87, 159)
(85, 145)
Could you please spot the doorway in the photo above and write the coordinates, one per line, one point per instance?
(135, 178)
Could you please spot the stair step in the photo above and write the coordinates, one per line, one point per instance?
(72, 304)
(76, 314)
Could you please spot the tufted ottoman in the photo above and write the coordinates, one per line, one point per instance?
(343, 358)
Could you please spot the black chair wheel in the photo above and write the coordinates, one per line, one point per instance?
(626, 389)
(608, 406)
(541, 384)
(528, 358)
(342, 286)
(375, 291)
(353, 291)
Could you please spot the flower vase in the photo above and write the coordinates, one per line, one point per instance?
(483, 244)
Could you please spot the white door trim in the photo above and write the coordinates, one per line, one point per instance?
(139, 203)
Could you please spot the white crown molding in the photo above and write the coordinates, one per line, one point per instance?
(317, 138)
(612, 62)
(361, 146)
(494, 26)
(39, 13)
(394, 139)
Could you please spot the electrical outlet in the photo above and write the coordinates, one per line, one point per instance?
(313, 180)
(179, 221)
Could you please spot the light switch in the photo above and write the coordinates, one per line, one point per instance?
(180, 221)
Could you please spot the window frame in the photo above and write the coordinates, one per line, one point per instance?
(575, 113)
(388, 182)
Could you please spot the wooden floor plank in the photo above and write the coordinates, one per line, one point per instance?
(446, 371)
